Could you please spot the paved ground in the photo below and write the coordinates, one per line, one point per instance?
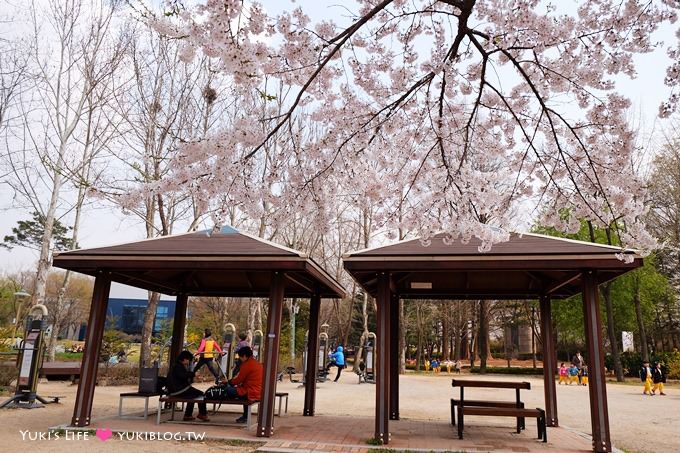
(345, 409)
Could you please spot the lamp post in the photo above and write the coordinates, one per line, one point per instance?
(324, 328)
(18, 296)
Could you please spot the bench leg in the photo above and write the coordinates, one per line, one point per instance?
(146, 408)
(160, 410)
(543, 426)
(286, 404)
(248, 416)
(279, 412)
(460, 422)
(453, 414)
(120, 407)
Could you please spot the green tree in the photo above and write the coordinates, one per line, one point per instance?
(29, 234)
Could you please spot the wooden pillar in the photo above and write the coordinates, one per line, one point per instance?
(178, 325)
(549, 362)
(394, 357)
(599, 416)
(382, 380)
(312, 355)
(93, 339)
(265, 416)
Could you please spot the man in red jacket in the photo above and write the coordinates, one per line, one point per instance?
(247, 384)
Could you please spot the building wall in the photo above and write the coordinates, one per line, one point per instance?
(128, 314)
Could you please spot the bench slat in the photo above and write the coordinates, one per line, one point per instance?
(502, 411)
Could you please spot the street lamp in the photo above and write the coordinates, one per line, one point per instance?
(324, 328)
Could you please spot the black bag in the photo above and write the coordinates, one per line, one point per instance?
(162, 386)
(217, 392)
(148, 379)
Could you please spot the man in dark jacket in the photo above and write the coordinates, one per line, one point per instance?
(659, 378)
(179, 384)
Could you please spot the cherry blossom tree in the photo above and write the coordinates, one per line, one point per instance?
(417, 98)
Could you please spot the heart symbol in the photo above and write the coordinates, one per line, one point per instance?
(104, 434)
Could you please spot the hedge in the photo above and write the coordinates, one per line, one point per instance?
(511, 370)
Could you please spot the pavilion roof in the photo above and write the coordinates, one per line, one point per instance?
(524, 267)
(226, 262)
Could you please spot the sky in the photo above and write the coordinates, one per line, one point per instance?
(107, 225)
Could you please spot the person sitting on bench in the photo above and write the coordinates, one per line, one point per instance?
(247, 384)
(179, 384)
(206, 351)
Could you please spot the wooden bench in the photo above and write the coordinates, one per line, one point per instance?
(146, 397)
(480, 403)
(538, 414)
(200, 399)
(281, 396)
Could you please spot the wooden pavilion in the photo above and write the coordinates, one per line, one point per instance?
(224, 262)
(528, 266)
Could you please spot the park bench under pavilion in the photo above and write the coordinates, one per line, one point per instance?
(528, 266)
(224, 263)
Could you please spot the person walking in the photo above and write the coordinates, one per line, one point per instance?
(578, 362)
(659, 378)
(564, 374)
(206, 351)
(646, 377)
(337, 360)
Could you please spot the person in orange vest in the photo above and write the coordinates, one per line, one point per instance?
(206, 351)
(247, 384)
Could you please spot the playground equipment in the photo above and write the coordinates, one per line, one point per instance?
(366, 369)
(226, 360)
(257, 344)
(30, 360)
(321, 374)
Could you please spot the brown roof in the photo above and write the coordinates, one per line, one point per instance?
(525, 266)
(224, 263)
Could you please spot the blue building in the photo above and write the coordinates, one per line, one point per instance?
(129, 314)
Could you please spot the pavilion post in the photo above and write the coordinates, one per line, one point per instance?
(394, 357)
(178, 325)
(265, 416)
(599, 416)
(93, 338)
(549, 361)
(312, 355)
(383, 355)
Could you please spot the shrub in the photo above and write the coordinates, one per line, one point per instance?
(511, 370)
(632, 361)
(8, 373)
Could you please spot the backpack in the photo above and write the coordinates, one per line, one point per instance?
(216, 392)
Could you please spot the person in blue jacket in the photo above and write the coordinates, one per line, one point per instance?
(337, 360)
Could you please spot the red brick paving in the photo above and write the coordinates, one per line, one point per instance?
(350, 434)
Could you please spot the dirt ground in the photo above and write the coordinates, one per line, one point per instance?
(638, 423)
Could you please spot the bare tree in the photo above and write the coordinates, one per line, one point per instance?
(73, 53)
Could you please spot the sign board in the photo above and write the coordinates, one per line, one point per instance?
(27, 360)
(627, 341)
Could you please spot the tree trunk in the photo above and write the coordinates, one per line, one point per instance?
(56, 325)
(483, 336)
(445, 333)
(640, 321)
(147, 329)
(611, 331)
(402, 338)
